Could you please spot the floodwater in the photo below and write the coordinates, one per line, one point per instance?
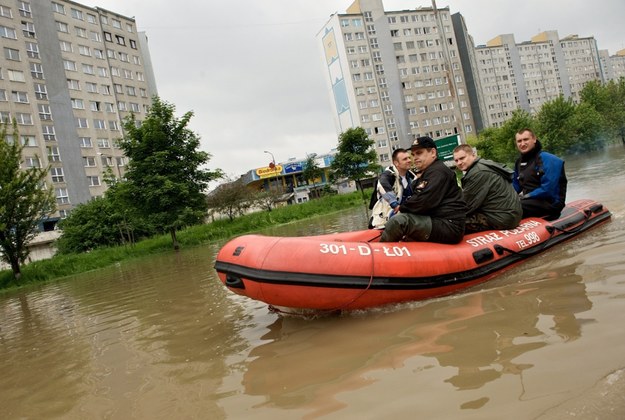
(161, 338)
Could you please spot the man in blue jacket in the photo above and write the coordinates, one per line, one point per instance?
(539, 178)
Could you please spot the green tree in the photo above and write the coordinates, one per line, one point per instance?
(24, 202)
(233, 198)
(165, 182)
(312, 171)
(497, 143)
(609, 102)
(356, 158)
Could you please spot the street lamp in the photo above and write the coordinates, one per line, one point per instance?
(272, 165)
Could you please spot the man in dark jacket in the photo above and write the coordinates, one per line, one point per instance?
(487, 189)
(435, 212)
(539, 178)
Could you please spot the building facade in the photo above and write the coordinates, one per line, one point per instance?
(396, 74)
(613, 66)
(69, 75)
(526, 75)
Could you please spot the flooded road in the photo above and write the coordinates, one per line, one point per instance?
(161, 338)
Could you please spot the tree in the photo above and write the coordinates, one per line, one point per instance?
(165, 181)
(356, 159)
(24, 202)
(231, 198)
(312, 171)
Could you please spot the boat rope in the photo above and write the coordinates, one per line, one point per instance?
(338, 308)
(552, 230)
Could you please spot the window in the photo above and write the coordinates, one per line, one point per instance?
(89, 161)
(94, 180)
(136, 60)
(108, 37)
(53, 153)
(91, 19)
(41, 92)
(82, 123)
(104, 20)
(116, 23)
(5, 117)
(122, 106)
(124, 57)
(57, 175)
(62, 27)
(128, 74)
(99, 124)
(62, 196)
(19, 97)
(66, 46)
(69, 65)
(5, 12)
(77, 14)
(85, 141)
(81, 32)
(98, 53)
(102, 72)
(24, 8)
(87, 69)
(113, 125)
(11, 54)
(32, 49)
(133, 44)
(36, 71)
(77, 103)
(111, 54)
(115, 71)
(104, 143)
(120, 40)
(105, 89)
(28, 29)
(143, 92)
(95, 106)
(58, 8)
(24, 118)
(7, 32)
(48, 132)
(32, 162)
(73, 84)
(44, 112)
(84, 50)
(118, 88)
(95, 36)
(109, 107)
(3, 95)
(92, 87)
(129, 28)
(134, 107)
(28, 141)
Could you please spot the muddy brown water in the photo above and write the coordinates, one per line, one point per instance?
(161, 338)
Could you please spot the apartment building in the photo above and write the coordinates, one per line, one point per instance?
(612, 66)
(526, 75)
(69, 75)
(397, 74)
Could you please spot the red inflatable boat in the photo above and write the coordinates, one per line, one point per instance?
(353, 270)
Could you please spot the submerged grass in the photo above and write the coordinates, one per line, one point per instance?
(61, 266)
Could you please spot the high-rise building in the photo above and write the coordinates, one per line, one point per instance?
(397, 74)
(613, 66)
(69, 75)
(526, 75)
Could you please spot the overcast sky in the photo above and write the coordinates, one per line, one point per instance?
(252, 71)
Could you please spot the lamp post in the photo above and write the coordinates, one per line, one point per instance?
(272, 165)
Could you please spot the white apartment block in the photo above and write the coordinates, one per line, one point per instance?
(613, 66)
(397, 74)
(69, 74)
(526, 75)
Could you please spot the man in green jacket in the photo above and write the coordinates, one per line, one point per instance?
(487, 189)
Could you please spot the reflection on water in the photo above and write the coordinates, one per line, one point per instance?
(162, 338)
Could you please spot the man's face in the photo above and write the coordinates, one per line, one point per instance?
(463, 159)
(402, 161)
(525, 141)
(423, 158)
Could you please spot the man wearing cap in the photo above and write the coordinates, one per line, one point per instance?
(435, 212)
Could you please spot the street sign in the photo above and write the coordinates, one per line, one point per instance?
(445, 147)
